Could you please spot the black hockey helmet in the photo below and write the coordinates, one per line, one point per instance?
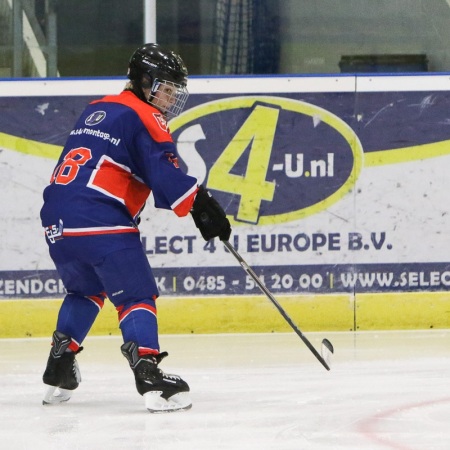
(164, 73)
(152, 60)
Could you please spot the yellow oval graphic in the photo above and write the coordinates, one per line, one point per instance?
(253, 187)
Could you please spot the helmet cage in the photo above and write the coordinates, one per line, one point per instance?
(168, 97)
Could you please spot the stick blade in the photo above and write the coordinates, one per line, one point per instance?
(327, 350)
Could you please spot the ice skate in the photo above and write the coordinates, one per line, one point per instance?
(62, 374)
(162, 392)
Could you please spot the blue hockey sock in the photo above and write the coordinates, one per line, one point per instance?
(77, 314)
(138, 323)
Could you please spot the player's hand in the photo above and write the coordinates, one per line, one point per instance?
(209, 217)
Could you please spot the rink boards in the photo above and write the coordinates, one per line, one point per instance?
(348, 228)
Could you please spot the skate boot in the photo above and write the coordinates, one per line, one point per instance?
(62, 374)
(162, 392)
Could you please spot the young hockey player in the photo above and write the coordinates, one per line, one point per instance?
(119, 151)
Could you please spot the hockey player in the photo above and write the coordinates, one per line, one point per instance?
(119, 151)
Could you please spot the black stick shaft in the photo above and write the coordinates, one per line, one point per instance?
(269, 295)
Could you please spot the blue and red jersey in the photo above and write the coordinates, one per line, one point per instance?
(119, 151)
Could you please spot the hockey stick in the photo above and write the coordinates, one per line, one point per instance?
(327, 348)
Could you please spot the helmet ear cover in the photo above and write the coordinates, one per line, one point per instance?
(146, 81)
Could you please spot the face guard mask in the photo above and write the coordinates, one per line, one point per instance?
(168, 97)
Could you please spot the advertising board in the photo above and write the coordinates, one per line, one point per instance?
(332, 184)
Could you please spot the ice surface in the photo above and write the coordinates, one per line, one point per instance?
(385, 390)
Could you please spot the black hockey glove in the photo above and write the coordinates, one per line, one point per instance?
(209, 217)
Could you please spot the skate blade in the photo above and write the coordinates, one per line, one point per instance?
(55, 395)
(157, 404)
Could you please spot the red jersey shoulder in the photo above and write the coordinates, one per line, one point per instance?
(153, 120)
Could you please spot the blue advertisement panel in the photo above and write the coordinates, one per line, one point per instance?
(339, 190)
(301, 279)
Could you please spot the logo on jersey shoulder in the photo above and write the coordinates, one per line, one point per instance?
(95, 118)
(161, 121)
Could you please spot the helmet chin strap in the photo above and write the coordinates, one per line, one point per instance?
(150, 100)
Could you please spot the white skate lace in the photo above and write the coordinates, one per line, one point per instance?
(169, 375)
